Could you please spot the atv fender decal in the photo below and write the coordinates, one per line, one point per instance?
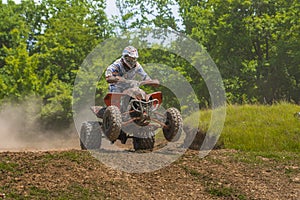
(156, 95)
(113, 99)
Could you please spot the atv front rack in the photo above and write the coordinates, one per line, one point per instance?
(142, 106)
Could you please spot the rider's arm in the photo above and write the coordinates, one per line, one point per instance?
(112, 74)
(114, 79)
(142, 73)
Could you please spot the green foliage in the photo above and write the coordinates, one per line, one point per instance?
(8, 166)
(18, 76)
(42, 47)
(70, 35)
(252, 42)
(257, 127)
(138, 13)
(57, 104)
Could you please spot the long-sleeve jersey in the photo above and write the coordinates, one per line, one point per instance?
(118, 69)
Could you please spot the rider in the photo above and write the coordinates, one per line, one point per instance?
(124, 68)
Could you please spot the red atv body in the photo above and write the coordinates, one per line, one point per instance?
(131, 114)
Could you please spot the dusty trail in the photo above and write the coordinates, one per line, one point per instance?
(76, 174)
(20, 130)
(38, 141)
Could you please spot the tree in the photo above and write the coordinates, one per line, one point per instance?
(247, 40)
(138, 13)
(13, 28)
(73, 29)
(42, 47)
(18, 76)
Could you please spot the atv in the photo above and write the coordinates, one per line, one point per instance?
(131, 114)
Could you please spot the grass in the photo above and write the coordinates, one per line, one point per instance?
(72, 156)
(282, 160)
(74, 191)
(222, 191)
(257, 127)
(8, 166)
(212, 187)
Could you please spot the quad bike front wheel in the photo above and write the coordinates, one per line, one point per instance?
(90, 135)
(112, 123)
(143, 143)
(173, 123)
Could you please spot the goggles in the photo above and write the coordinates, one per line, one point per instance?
(130, 60)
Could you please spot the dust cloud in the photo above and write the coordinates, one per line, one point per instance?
(21, 131)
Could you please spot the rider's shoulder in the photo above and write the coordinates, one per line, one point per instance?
(116, 64)
(138, 65)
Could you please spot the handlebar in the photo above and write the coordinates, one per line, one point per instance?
(133, 83)
(153, 83)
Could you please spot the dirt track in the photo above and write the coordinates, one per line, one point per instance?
(75, 174)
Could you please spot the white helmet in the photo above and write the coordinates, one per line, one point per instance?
(130, 55)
